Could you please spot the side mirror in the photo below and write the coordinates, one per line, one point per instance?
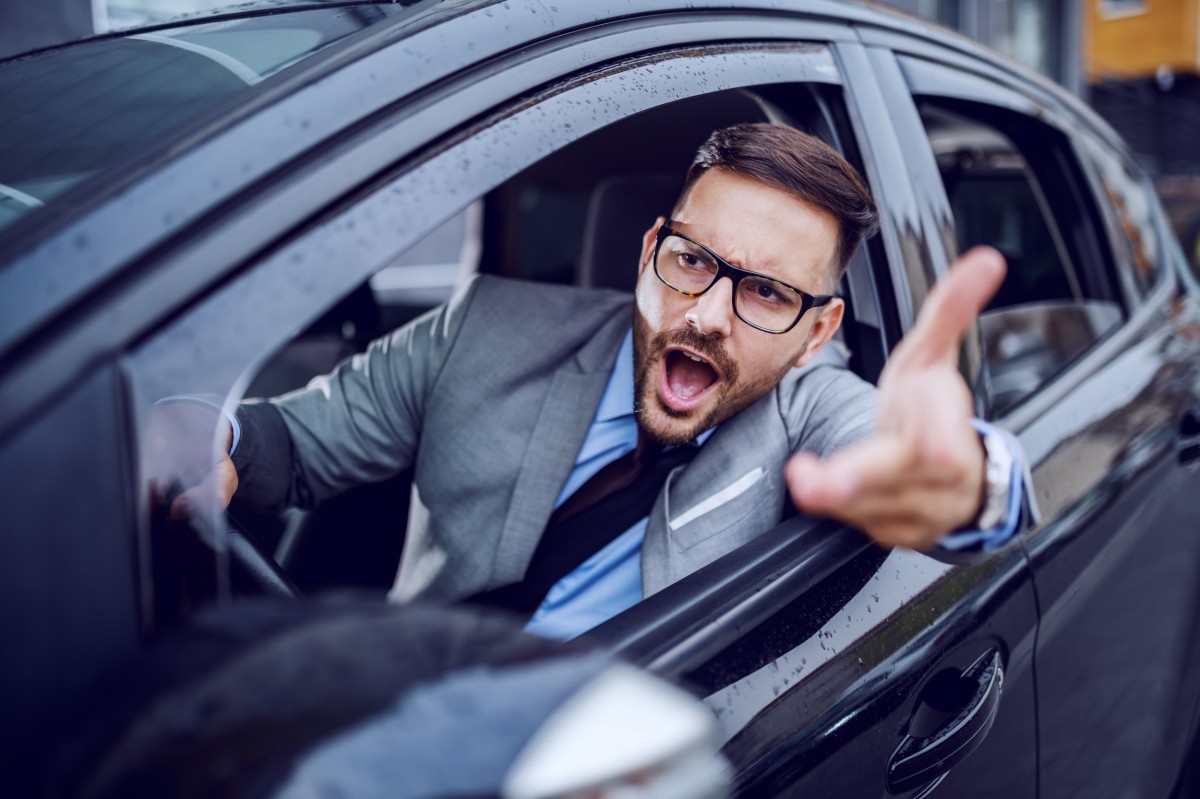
(625, 734)
(1027, 344)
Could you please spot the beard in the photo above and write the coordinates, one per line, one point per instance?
(675, 428)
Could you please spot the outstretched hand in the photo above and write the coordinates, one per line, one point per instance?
(921, 475)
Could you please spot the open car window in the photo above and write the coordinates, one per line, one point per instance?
(562, 206)
(576, 217)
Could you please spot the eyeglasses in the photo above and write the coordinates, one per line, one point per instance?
(760, 301)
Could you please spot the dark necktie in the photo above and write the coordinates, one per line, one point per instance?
(609, 503)
(615, 476)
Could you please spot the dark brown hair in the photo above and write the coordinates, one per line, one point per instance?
(799, 164)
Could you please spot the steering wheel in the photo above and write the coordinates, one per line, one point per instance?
(251, 567)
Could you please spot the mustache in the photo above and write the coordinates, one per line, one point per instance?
(711, 348)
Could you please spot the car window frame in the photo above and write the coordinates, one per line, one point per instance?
(199, 342)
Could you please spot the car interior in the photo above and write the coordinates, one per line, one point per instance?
(576, 217)
(1055, 302)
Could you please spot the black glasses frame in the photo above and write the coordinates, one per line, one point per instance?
(735, 274)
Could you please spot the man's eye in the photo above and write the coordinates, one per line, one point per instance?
(689, 260)
(765, 292)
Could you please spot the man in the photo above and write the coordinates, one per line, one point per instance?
(511, 401)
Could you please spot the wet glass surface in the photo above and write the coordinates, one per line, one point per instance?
(72, 113)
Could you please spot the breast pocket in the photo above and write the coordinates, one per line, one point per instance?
(745, 502)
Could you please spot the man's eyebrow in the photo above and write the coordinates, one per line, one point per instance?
(770, 270)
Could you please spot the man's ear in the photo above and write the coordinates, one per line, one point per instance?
(828, 322)
(648, 243)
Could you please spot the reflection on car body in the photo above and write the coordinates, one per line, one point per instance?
(277, 219)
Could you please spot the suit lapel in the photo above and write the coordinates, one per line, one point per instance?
(561, 425)
(730, 493)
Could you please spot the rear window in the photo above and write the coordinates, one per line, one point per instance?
(72, 113)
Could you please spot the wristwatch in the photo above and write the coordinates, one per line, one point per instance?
(997, 481)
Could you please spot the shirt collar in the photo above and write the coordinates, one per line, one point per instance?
(618, 394)
(617, 401)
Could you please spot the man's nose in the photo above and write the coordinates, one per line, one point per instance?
(712, 315)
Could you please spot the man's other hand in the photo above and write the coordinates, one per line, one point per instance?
(921, 475)
(184, 463)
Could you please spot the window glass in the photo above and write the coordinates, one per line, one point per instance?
(72, 112)
(1121, 8)
(1049, 310)
(1129, 204)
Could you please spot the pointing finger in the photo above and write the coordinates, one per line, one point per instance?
(954, 303)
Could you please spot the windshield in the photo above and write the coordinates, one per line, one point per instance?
(72, 112)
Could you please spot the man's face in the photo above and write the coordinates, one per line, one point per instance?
(695, 362)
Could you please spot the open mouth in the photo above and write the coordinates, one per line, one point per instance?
(687, 379)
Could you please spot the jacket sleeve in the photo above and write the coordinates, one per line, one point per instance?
(360, 423)
(826, 407)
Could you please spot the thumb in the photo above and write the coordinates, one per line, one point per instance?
(814, 486)
(217, 488)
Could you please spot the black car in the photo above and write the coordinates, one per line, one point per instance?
(229, 205)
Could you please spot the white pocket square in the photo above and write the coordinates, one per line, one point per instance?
(730, 492)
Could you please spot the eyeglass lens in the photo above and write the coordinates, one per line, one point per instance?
(762, 302)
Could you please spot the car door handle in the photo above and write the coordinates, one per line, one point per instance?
(956, 711)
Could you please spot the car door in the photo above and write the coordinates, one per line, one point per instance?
(1091, 360)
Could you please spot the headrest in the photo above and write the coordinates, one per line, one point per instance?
(622, 209)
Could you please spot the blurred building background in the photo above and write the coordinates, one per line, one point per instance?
(1137, 62)
(1143, 72)
(1046, 35)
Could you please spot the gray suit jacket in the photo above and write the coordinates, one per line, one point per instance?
(489, 399)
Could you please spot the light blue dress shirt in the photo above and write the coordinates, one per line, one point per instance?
(611, 580)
